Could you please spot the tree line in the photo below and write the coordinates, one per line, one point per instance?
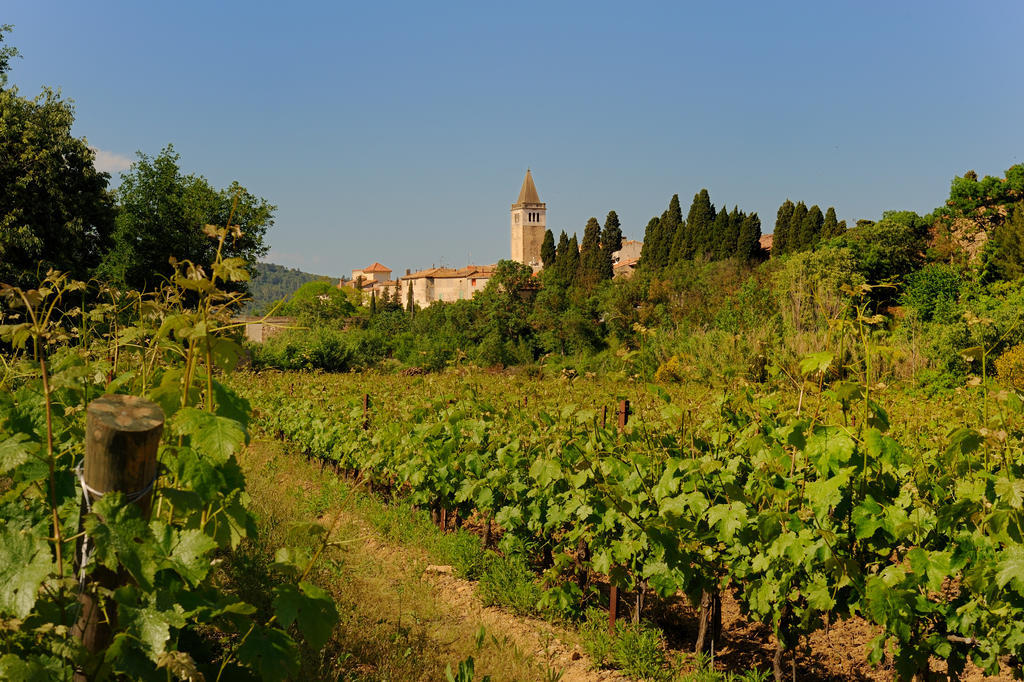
(57, 211)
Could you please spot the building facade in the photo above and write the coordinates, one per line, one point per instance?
(529, 222)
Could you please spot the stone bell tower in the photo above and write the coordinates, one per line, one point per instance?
(529, 222)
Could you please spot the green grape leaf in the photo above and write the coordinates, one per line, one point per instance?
(1010, 569)
(15, 451)
(185, 551)
(311, 607)
(121, 537)
(210, 434)
(25, 562)
(19, 670)
(150, 626)
(1010, 491)
(271, 653)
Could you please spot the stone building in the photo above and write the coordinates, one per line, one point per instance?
(529, 222)
(445, 284)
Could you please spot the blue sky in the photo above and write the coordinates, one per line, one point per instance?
(400, 132)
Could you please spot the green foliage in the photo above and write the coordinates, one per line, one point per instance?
(782, 241)
(1007, 245)
(318, 303)
(547, 249)
(891, 248)
(163, 213)
(272, 283)
(55, 210)
(1010, 367)
(172, 611)
(933, 291)
(592, 266)
(611, 241)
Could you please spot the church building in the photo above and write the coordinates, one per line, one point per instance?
(529, 222)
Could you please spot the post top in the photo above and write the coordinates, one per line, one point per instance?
(126, 412)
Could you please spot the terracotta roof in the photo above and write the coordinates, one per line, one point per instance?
(629, 262)
(448, 273)
(377, 267)
(528, 194)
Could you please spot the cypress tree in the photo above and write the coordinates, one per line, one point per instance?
(699, 222)
(748, 242)
(561, 258)
(590, 253)
(830, 228)
(716, 237)
(373, 303)
(611, 241)
(810, 229)
(547, 249)
(672, 231)
(572, 261)
(648, 257)
(727, 244)
(781, 238)
(410, 305)
(796, 226)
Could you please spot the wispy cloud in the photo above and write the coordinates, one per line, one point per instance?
(111, 162)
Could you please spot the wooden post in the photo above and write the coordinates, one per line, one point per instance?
(604, 416)
(122, 434)
(623, 413)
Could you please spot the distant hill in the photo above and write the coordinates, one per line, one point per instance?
(273, 282)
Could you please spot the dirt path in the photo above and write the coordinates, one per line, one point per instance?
(387, 590)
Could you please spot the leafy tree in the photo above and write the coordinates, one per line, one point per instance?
(748, 242)
(932, 291)
(547, 249)
(611, 241)
(700, 223)
(781, 240)
(891, 248)
(590, 254)
(7, 53)
(318, 303)
(1007, 246)
(55, 210)
(163, 214)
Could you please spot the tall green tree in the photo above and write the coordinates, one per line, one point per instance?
(611, 241)
(831, 227)
(163, 212)
(590, 254)
(7, 53)
(781, 238)
(700, 223)
(1007, 246)
(572, 261)
(649, 251)
(562, 258)
(796, 227)
(811, 227)
(548, 252)
(55, 210)
(671, 225)
(748, 241)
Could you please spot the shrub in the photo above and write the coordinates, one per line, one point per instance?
(933, 291)
(1010, 367)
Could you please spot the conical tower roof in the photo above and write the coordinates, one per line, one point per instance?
(528, 194)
